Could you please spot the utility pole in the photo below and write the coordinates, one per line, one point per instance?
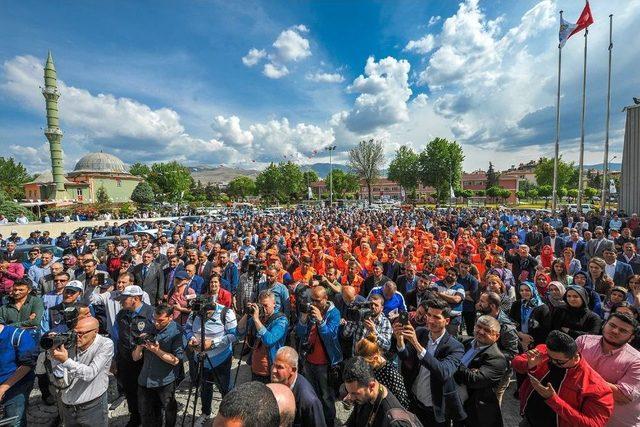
(330, 149)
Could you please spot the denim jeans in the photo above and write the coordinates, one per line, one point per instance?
(15, 401)
(153, 400)
(221, 375)
(318, 376)
(90, 414)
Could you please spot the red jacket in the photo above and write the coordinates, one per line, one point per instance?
(583, 400)
(225, 298)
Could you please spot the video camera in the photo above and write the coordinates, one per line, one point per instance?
(254, 266)
(250, 310)
(200, 304)
(53, 340)
(144, 338)
(358, 312)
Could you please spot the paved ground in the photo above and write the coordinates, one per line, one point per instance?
(40, 415)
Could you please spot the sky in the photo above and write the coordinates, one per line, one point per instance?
(244, 83)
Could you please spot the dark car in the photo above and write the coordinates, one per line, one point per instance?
(102, 242)
(23, 251)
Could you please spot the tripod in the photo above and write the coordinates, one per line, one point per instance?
(199, 377)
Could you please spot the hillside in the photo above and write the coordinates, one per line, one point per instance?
(220, 175)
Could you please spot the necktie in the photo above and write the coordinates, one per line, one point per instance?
(145, 269)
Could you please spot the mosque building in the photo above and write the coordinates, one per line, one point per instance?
(92, 172)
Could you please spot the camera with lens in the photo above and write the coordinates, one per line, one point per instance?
(53, 340)
(251, 310)
(200, 304)
(70, 316)
(144, 338)
(304, 307)
(359, 312)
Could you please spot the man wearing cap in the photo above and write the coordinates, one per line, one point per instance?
(14, 238)
(62, 241)
(134, 316)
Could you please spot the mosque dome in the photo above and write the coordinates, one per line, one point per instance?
(100, 162)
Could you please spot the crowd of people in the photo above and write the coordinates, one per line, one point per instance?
(404, 317)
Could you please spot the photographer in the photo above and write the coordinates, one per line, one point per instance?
(267, 332)
(16, 376)
(318, 325)
(279, 291)
(134, 313)
(161, 352)
(220, 334)
(85, 377)
(372, 321)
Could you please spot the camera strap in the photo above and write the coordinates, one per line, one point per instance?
(376, 406)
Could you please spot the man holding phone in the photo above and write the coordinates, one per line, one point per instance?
(555, 372)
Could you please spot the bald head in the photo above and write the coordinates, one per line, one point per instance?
(286, 403)
(348, 293)
(87, 323)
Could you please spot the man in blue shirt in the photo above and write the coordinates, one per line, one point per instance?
(392, 298)
(452, 293)
(18, 353)
(280, 291)
(156, 382)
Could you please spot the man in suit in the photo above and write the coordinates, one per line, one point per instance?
(229, 271)
(556, 243)
(523, 264)
(408, 281)
(204, 266)
(618, 270)
(81, 247)
(597, 245)
(392, 268)
(158, 258)
(577, 244)
(196, 282)
(630, 256)
(170, 271)
(534, 240)
(481, 370)
(284, 370)
(430, 357)
(148, 275)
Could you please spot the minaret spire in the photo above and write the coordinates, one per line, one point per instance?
(52, 131)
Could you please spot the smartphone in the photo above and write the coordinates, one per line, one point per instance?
(403, 317)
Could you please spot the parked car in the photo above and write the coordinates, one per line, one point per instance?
(23, 251)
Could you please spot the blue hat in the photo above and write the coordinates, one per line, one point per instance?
(181, 275)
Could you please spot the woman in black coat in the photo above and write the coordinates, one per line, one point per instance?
(576, 319)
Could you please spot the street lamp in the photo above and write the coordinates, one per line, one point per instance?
(603, 195)
(330, 149)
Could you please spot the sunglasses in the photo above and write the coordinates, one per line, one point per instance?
(79, 333)
(559, 362)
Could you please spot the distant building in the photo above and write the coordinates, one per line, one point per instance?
(524, 172)
(477, 180)
(380, 188)
(93, 171)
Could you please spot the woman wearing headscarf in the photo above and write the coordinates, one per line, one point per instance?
(531, 315)
(542, 281)
(576, 319)
(555, 296)
(595, 302)
(545, 258)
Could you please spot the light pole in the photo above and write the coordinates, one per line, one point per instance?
(330, 149)
(604, 194)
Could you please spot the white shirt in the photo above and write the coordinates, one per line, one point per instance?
(87, 375)
(610, 269)
(112, 305)
(422, 385)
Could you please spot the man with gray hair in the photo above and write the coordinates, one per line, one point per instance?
(481, 369)
(284, 370)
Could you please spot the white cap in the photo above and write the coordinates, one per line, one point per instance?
(76, 285)
(132, 291)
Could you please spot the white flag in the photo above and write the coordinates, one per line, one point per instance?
(453, 194)
(612, 187)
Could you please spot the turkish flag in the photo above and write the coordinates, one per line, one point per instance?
(586, 19)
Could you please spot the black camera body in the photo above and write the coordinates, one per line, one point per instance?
(251, 310)
(53, 340)
(201, 304)
(359, 312)
(144, 339)
(304, 307)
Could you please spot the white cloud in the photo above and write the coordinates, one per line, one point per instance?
(420, 100)
(325, 77)
(434, 20)
(291, 46)
(301, 28)
(253, 57)
(383, 92)
(422, 46)
(275, 71)
(229, 130)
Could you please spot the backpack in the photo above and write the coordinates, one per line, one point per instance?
(399, 417)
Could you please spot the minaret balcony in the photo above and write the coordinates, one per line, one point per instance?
(51, 92)
(53, 131)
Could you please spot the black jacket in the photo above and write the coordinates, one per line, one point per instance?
(580, 321)
(482, 375)
(370, 283)
(392, 270)
(538, 321)
(442, 365)
(308, 406)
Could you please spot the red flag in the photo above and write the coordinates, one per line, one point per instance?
(586, 19)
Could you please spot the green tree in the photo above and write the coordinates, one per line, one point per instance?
(590, 193)
(366, 160)
(562, 192)
(241, 187)
(441, 166)
(504, 193)
(492, 176)
(11, 210)
(101, 196)
(532, 194)
(268, 183)
(521, 194)
(12, 178)
(567, 173)
(343, 183)
(170, 181)
(139, 169)
(481, 193)
(405, 169)
(142, 194)
(494, 192)
(310, 176)
(545, 191)
(573, 193)
(292, 184)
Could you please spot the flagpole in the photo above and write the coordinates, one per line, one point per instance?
(557, 151)
(605, 163)
(584, 106)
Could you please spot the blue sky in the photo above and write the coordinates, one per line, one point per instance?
(243, 83)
